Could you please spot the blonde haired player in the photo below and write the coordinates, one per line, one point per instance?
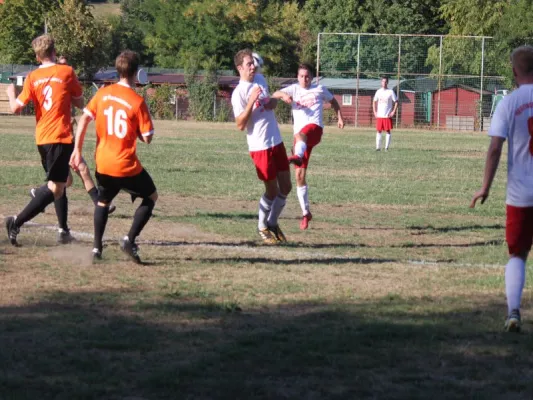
(52, 88)
(307, 102)
(513, 120)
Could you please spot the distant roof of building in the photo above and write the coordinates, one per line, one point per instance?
(351, 84)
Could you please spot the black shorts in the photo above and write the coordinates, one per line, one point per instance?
(55, 159)
(140, 185)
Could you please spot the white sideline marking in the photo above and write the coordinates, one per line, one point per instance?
(267, 250)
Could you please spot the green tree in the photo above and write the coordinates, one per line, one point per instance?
(90, 49)
(21, 22)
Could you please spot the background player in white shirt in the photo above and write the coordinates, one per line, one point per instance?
(307, 101)
(385, 105)
(253, 110)
(513, 120)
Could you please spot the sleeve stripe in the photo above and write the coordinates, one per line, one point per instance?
(148, 133)
(87, 112)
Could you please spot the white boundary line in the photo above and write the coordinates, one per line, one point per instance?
(273, 250)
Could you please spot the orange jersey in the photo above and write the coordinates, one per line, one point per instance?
(51, 87)
(121, 115)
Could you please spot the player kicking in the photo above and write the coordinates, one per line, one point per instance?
(53, 88)
(307, 101)
(253, 110)
(513, 120)
(121, 117)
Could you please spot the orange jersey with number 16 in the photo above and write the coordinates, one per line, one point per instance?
(51, 87)
(120, 114)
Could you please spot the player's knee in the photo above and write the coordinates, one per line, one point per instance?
(285, 187)
(57, 188)
(154, 196)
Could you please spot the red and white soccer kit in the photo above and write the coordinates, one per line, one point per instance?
(513, 120)
(307, 112)
(264, 138)
(386, 99)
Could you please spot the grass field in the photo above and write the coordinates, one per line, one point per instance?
(395, 292)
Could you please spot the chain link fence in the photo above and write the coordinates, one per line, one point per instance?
(442, 82)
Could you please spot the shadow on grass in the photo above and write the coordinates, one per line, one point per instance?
(102, 345)
(473, 244)
(296, 261)
(444, 229)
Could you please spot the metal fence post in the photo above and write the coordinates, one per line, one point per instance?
(439, 83)
(481, 85)
(398, 77)
(357, 82)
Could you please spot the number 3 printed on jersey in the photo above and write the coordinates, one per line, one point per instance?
(47, 92)
(116, 122)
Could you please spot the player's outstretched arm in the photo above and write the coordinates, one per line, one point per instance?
(76, 158)
(282, 96)
(491, 166)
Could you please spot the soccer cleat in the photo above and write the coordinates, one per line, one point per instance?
(378, 149)
(131, 249)
(12, 230)
(513, 322)
(97, 255)
(304, 223)
(278, 234)
(296, 160)
(112, 209)
(64, 236)
(267, 236)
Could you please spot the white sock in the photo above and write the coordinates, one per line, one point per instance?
(299, 148)
(265, 206)
(277, 208)
(515, 277)
(378, 140)
(303, 198)
(387, 140)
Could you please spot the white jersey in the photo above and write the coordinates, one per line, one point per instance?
(386, 99)
(307, 104)
(263, 130)
(513, 120)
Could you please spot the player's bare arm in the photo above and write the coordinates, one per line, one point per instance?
(375, 108)
(491, 166)
(242, 119)
(282, 96)
(336, 107)
(76, 158)
(11, 94)
(394, 109)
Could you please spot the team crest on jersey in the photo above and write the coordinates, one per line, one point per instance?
(307, 100)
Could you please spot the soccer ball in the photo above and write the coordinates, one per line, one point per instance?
(258, 60)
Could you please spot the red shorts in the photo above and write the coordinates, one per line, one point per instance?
(313, 133)
(270, 161)
(383, 124)
(519, 229)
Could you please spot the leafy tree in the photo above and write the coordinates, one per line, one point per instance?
(90, 49)
(21, 22)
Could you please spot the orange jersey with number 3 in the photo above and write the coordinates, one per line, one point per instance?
(121, 115)
(51, 87)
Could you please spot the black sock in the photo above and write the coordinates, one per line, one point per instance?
(141, 217)
(100, 221)
(93, 194)
(61, 206)
(43, 197)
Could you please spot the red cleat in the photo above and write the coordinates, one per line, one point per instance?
(304, 223)
(296, 160)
